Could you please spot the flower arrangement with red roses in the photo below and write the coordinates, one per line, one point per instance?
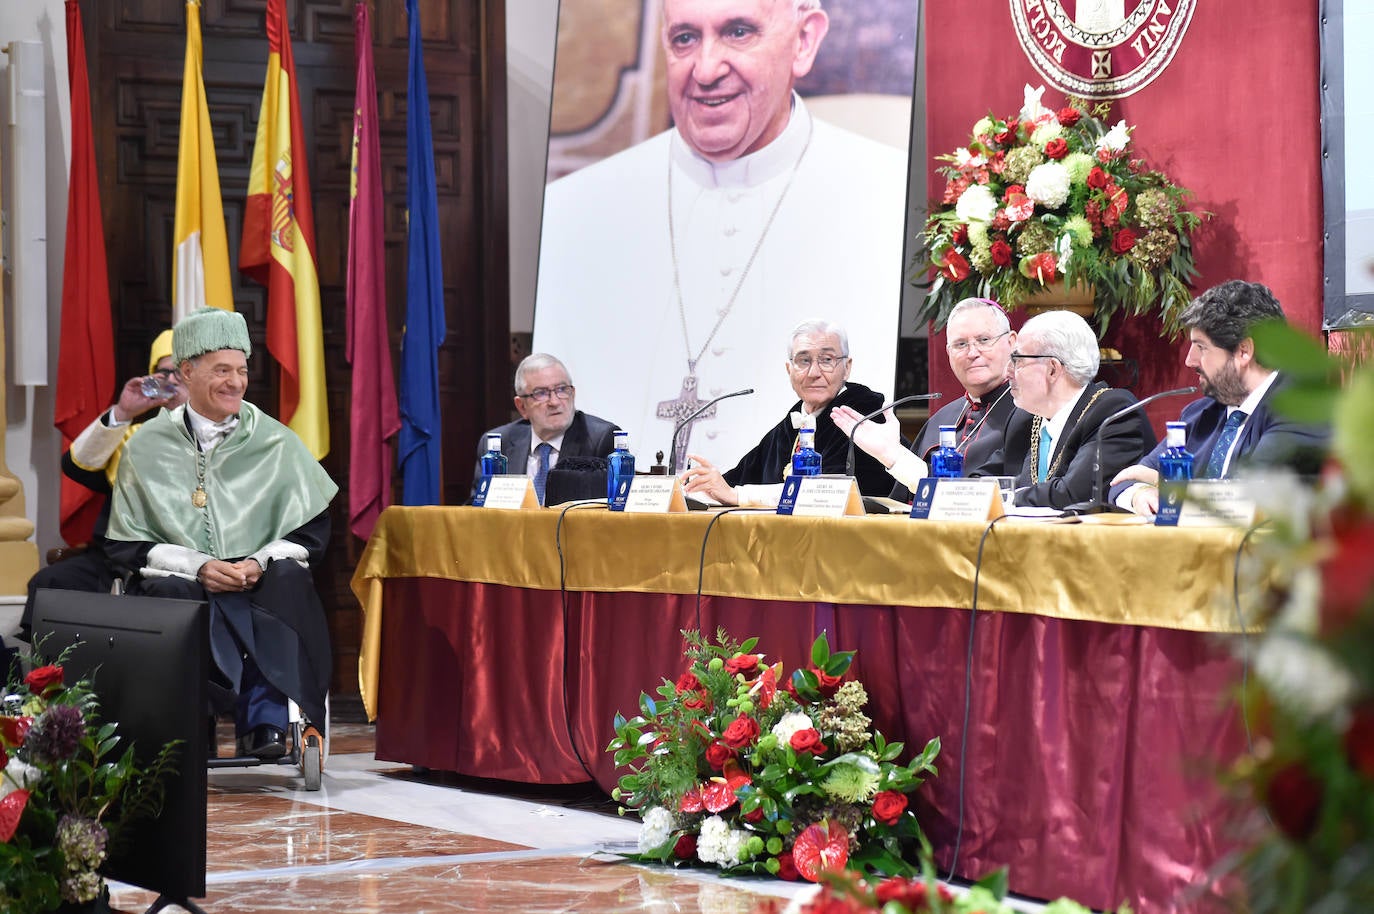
(1046, 196)
(65, 793)
(1310, 698)
(738, 765)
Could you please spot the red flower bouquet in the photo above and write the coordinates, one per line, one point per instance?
(729, 769)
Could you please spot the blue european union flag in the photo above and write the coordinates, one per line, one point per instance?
(418, 453)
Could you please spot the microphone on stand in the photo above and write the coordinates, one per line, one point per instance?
(849, 457)
(1097, 505)
(677, 429)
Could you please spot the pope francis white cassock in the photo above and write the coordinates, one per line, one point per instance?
(666, 279)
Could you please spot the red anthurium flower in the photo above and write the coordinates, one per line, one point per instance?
(718, 795)
(954, 266)
(14, 729)
(766, 689)
(734, 775)
(692, 801)
(11, 808)
(821, 848)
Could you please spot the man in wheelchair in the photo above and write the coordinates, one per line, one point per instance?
(214, 500)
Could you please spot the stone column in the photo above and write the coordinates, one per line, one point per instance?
(18, 556)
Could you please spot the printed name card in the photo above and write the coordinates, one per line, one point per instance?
(957, 499)
(1217, 502)
(650, 495)
(507, 491)
(820, 496)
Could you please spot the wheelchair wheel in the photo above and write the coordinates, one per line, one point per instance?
(312, 757)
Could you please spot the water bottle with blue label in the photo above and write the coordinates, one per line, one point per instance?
(621, 465)
(947, 462)
(1175, 469)
(806, 461)
(494, 462)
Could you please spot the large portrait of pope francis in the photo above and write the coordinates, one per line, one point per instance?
(716, 179)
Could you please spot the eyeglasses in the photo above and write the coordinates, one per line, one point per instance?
(980, 343)
(542, 394)
(1018, 359)
(825, 363)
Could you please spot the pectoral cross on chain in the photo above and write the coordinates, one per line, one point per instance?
(675, 411)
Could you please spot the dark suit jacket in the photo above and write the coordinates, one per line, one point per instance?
(1123, 443)
(998, 447)
(587, 436)
(1266, 440)
(764, 463)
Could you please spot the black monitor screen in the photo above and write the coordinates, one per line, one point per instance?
(147, 659)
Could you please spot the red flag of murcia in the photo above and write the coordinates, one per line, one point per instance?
(1100, 49)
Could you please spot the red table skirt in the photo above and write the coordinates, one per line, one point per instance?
(1092, 752)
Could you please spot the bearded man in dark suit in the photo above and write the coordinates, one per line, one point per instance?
(550, 427)
(1232, 426)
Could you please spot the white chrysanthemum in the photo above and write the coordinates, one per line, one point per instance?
(656, 829)
(1048, 185)
(712, 840)
(1303, 676)
(976, 204)
(791, 722)
(18, 776)
(965, 159)
(1046, 132)
(1115, 139)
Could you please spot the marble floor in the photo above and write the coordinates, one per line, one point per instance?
(377, 838)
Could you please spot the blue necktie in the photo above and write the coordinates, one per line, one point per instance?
(1042, 463)
(541, 474)
(1217, 461)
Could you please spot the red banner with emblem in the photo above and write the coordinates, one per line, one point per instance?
(1211, 107)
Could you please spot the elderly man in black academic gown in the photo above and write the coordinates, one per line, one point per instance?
(1052, 371)
(550, 428)
(1237, 392)
(992, 433)
(818, 366)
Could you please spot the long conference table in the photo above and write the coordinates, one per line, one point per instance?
(1098, 683)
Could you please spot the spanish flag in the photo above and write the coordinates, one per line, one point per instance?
(278, 247)
(200, 269)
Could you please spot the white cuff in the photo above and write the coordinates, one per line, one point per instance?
(282, 549)
(179, 560)
(97, 443)
(908, 469)
(760, 496)
(1127, 496)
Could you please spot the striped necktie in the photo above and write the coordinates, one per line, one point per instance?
(1216, 463)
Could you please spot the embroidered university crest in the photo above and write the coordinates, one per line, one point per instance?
(1100, 49)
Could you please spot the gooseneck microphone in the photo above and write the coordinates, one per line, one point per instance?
(849, 457)
(677, 429)
(1097, 505)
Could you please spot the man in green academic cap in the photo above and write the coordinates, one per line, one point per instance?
(217, 501)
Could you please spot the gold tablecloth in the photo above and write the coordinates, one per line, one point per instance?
(1125, 575)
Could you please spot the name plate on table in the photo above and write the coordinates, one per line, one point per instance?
(820, 496)
(651, 495)
(506, 491)
(957, 499)
(1217, 502)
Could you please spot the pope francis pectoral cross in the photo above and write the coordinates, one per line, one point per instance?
(679, 409)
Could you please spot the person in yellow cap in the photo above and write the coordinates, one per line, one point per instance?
(217, 501)
(92, 461)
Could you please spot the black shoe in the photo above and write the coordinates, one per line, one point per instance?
(264, 742)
